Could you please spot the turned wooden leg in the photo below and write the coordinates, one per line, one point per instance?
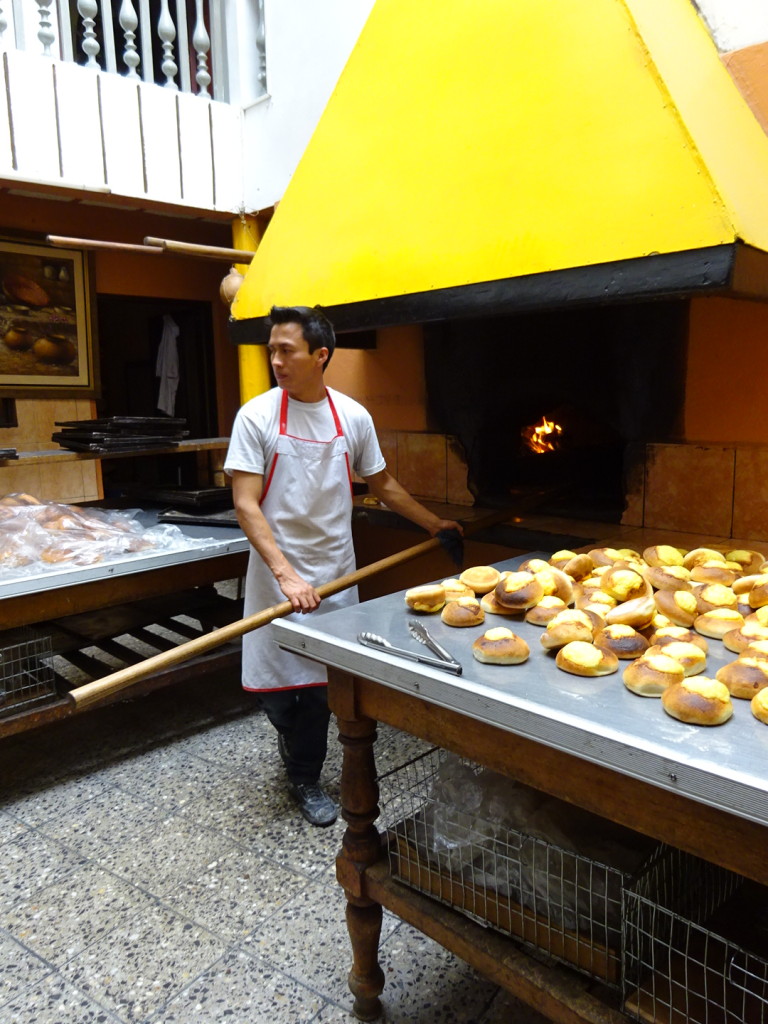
(361, 847)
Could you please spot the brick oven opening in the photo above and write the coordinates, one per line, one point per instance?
(560, 401)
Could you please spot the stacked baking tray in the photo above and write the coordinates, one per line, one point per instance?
(120, 433)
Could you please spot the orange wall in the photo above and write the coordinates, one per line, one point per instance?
(727, 371)
(113, 273)
(387, 380)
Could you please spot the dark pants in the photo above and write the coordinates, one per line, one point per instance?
(301, 716)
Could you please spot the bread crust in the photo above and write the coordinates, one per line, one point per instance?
(700, 701)
(500, 646)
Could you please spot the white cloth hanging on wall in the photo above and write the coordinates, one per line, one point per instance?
(167, 366)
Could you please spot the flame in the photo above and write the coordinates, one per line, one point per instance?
(543, 436)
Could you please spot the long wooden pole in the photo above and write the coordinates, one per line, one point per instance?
(63, 242)
(213, 252)
(100, 689)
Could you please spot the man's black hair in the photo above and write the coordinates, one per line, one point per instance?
(315, 326)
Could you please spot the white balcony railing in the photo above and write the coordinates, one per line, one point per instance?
(180, 44)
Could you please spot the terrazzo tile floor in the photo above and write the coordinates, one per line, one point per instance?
(153, 871)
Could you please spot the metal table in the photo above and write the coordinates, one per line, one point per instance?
(586, 740)
(68, 590)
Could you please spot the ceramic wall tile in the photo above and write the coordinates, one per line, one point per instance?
(457, 492)
(750, 498)
(689, 487)
(421, 460)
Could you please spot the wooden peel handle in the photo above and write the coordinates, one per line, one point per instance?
(93, 693)
(96, 691)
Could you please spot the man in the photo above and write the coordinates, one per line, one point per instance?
(291, 457)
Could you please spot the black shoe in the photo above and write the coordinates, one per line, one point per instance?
(282, 746)
(316, 806)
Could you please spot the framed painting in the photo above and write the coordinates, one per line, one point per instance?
(46, 330)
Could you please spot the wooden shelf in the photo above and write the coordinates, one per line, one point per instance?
(58, 455)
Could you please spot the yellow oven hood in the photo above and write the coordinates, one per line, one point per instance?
(486, 157)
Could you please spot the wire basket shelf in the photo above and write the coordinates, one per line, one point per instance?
(682, 965)
(26, 673)
(558, 902)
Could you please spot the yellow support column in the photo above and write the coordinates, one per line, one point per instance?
(253, 360)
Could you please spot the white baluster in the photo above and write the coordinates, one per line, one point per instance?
(167, 32)
(261, 46)
(88, 9)
(45, 33)
(129, 22)
(202, 44)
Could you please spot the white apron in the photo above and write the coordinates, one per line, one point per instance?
(307, 501)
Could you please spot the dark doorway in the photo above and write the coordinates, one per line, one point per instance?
(130, 331)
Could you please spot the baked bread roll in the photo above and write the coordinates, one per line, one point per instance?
(566, 627)
(758, 595)
(714, 572)
(543, 612)
(671, 634)
(749, 561)
(679, 606)
(701, 701)
(652, 674)
(622, 583)
(574, 565)
(744, 584)
(757, 649)
(691, 657)
(465, 611)
(663, 554)
(737, 640)
(491, 606)
(624, 641)
(759, 706)
(759, 615)
(669, 577)
(554, 582)
(500, 646)
(744, 677)
(584, 659)
(604, 556)
(698, 555)
(430, 597)
(454, 589)
(714, 595)
(638, 612)
(718, 621)
(481, 578)
(519, 590)
(584, 595)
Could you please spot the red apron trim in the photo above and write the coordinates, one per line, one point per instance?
(284, 433)
(281, 689)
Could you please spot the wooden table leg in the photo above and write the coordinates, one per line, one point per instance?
(361, 847)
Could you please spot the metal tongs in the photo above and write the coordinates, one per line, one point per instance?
(443, 661)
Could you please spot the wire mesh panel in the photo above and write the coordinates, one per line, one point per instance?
(26, 675)
(451, 835)
(682, 963)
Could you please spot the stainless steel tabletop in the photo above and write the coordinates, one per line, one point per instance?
(597, 719)
(223, 540)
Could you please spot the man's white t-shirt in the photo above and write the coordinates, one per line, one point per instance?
(257, 428)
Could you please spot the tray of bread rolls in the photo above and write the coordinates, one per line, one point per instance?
(653, 663)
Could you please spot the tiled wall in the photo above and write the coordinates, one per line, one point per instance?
(696, 488)
(430, 466)
(68, 482)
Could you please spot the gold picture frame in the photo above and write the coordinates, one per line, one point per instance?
(46, 331)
